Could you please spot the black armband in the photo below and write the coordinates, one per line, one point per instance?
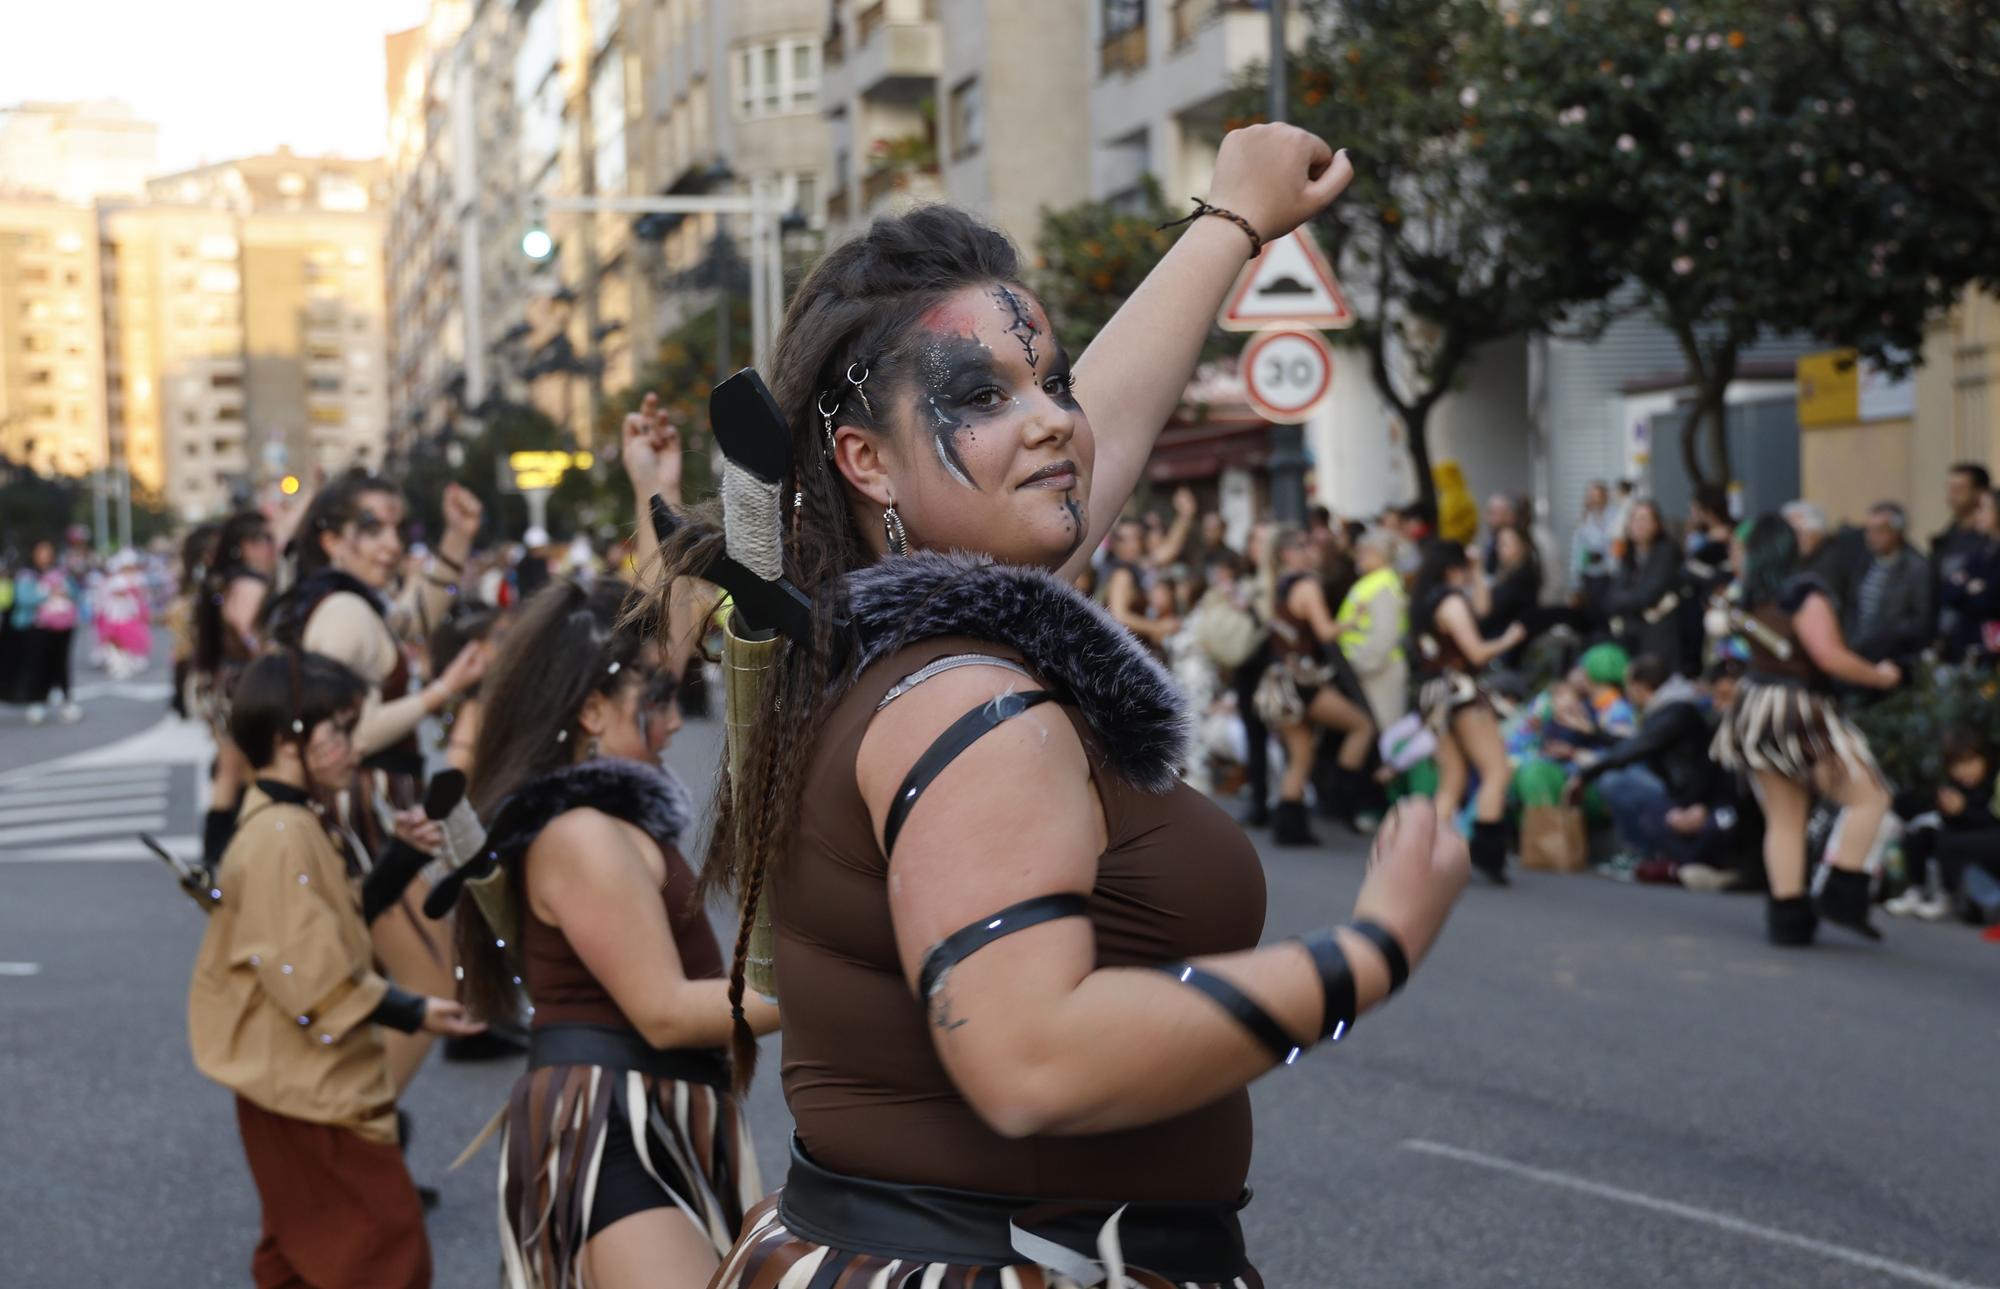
(1336, 980)
(966, 941)
(389, 878)
(1241, 1008)
(1390, 948)
(400, 1010)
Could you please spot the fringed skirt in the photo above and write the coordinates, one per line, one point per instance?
(788, 1242)
(691, 1140)
(1445, 695)
(1790, 730)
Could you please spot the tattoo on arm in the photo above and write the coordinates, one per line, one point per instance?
(941, 1016)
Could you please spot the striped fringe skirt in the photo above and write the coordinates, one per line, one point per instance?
(771, 1257)
(1792, 731)
(691, 1138)
(1443, 696)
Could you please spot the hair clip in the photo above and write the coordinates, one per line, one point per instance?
(612, 670)
(298, 726)
(562, 736)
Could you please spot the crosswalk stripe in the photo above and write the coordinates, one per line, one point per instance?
(85, 775)
(103, 791)
(93, 827)
(125, 849)
(49, 813)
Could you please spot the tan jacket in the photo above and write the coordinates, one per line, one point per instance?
(285, 983)
(347, 629)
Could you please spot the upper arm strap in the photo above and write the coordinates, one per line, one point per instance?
(963, 733)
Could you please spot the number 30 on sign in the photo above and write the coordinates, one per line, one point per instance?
(1286, 374)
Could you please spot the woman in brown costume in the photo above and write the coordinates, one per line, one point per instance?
(625, 1159)
(1786, 731)
(1017, 956)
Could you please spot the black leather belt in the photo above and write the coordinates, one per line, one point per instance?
(579, 1043)
(1183, 1242)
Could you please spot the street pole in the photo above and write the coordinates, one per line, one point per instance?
(1287, 463)
(124, 506)
(100, 517)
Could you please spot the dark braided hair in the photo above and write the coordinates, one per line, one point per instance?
(859, 308)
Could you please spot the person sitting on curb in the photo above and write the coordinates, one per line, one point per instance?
(1663, 766)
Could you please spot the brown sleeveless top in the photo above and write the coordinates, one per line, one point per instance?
(1795, 667)
(561, 987)
(866, 1088)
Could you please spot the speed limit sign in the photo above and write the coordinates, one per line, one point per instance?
(1286, 373)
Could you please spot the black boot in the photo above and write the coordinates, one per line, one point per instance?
(1790, 923)
(1843, 900)
(1489, 851)
(1290, 827)
(217, 827)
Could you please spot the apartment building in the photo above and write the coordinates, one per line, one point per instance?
(243, 306)
(52, 405)
(76, 152)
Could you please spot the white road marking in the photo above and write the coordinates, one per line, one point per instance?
(125, 802)
(93, 827)
(1687, 1212)
(125, 849)
(37, 794)
(20, 968)
(109, 776)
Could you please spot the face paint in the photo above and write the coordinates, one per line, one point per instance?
(954, 369)
(1021, 323)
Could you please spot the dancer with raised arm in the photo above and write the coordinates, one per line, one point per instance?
(1017, 957)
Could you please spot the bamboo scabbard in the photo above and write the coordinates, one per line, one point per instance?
(746, 671)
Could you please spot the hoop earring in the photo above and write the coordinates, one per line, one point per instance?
(892, 525)
(826, 425)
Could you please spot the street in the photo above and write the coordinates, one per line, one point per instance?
(1588, 1084)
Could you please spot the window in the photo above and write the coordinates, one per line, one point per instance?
(968, 119)
(805, 195)
(782, 76)
(323, 384)
(225, 380)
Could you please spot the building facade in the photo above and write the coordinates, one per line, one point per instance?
(52, 395)
(244, 315)
(76, 152)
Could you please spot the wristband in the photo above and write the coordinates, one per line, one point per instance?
(1203, 208)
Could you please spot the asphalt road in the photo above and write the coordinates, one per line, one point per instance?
(1588, 1085)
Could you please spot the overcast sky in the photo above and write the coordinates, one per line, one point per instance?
(221, 78)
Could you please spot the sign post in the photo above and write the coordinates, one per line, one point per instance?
(1287, 295)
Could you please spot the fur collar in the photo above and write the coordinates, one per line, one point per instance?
(1126, 697)
(649, 797)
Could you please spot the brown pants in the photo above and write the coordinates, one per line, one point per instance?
(340, 1211)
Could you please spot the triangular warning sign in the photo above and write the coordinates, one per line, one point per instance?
(1289, 284)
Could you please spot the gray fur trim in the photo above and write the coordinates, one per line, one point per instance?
(649, 797)
(1124, 695)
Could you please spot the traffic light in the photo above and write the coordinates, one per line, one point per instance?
(536, 243)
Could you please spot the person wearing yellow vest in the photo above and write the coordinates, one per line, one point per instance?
(1373, 620)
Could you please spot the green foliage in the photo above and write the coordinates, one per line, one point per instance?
(1754, 174)
(1906, 730)
(1433, 265)
(1095, 254)
(37, 506)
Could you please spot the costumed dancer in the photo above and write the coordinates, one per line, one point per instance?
(47, 604)
(349, 555)
(1302, 692)
(625, 1158)
(235, 582)
(1786, 731)
(1450, 655)
(1017, 955)
(287, 1010)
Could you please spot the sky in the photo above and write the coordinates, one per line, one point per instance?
(221, 78)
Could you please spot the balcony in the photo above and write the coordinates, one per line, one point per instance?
(897, 51)
(1190, 16)
(836, 206)
(892, 188)
(1123, 53)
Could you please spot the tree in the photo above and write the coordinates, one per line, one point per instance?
(1714, 154)
(1434, 266)
(1096, 253)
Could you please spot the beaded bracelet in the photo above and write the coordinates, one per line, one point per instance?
(1203, 208)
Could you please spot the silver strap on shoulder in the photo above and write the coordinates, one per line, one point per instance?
(941, 666)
